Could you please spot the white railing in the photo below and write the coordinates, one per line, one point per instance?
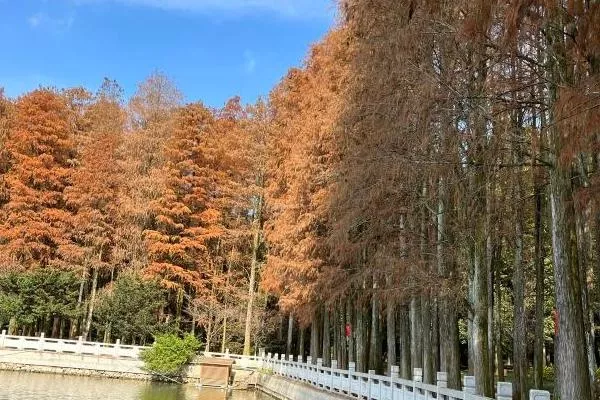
(80, 346)
(354, 384)
(370, 386)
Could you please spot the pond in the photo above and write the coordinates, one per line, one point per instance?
(30, 386)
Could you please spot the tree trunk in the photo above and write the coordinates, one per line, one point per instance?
(335, 334)
(435, 337)
(498, 325)
(583, 249)
(350, 321)
(88, 322)
(301, 342)
(314, 338)
(224, 333)
(519, 326)
(570, 346)
(75, 321)
(490, 264)
(253, 269)
(361, 339)
(209, 332)
(55, 326)
(375, 336)
(290, 335)
(448, 321)
(428, 372)
(390, 319)
(326, 338)
(480, 324)
(107, 333)
(12, 326)
(251, 285)
(405, 343)
(538, 354)
(416, 335)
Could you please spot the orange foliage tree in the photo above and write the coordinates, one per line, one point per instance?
(94, 193)
(35, 230)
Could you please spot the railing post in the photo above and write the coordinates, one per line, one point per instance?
(371, 372)
(334, 363)
(2, 338)
(539, 395)
(351, 370)
(319, 362)
(442, 380)
(21, 345)
(300, 359)
(469, 384)
(395, 371)
(41, 342)
(418, 374)
(79, 346)
(309, 359)
(504, 391)
(117, 349)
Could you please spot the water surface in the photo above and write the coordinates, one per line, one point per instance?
(30, 386)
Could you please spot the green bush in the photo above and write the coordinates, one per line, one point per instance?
(170, 353)
(548, 374)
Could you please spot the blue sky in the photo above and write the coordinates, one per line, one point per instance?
(212, 49)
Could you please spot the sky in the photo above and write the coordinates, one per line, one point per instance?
(211, 49)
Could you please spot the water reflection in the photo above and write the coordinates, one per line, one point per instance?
(29, 386)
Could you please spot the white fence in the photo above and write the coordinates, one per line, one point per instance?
(32, 343)
(354, 384)
(370, 386)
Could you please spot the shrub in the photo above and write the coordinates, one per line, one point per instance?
(170, 353)
(548, 374)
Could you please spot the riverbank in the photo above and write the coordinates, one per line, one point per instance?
(105, 367)
(26, 386)
(73, 364)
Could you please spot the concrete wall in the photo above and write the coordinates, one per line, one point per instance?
(103, 366)
(286, 389)
(72, 364)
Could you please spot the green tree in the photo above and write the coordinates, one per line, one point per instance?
(170, 353)
(130, 308)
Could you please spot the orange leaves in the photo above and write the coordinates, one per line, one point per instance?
(303, 154)
(189, 215)
(40, 145)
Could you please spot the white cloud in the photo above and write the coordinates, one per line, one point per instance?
(289, 8)
(249, 62)
(57, 24)
(34, 20)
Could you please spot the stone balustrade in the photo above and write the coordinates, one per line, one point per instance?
(377, 387)
(329, 379)
(79, 346)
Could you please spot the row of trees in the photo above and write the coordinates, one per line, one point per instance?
(422, 193)
(443, 199)
(97, 194)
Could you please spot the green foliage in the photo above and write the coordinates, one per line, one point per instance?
(548, 374)
(170, 353)
(130, 308)
(39, 294)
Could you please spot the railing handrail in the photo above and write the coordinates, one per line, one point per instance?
(329, 378)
